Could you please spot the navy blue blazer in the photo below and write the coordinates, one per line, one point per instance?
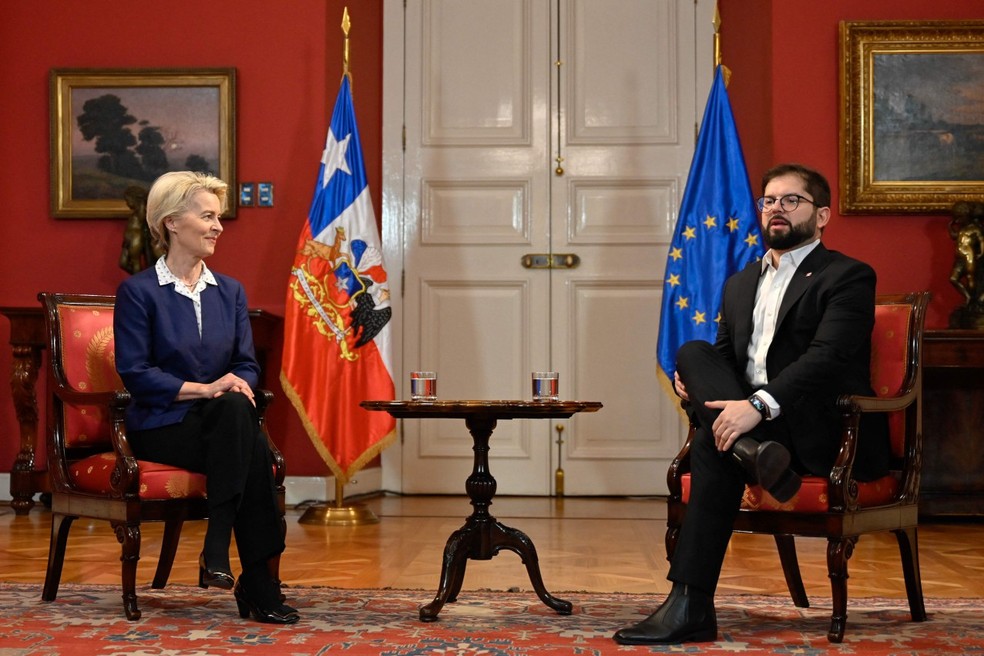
(158, 347)
(821, 349)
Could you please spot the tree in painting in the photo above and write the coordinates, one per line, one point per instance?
(108, 122)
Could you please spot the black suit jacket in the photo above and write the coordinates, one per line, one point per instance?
(821, 349)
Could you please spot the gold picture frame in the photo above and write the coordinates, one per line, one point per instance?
(910, 92)
(115, 128)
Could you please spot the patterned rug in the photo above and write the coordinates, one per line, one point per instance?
(187, 621)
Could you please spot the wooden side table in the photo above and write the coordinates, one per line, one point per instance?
(953, 424)
(27, 339)
(482, 536)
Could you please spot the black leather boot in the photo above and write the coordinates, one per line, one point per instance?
(687, 615)
(767, 463)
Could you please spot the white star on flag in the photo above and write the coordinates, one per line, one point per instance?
(334, 157)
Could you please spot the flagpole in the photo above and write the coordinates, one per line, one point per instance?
(346, 26)
(340, 514)
(725, 71)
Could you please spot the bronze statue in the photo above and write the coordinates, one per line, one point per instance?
(138, 251)
(967, 275)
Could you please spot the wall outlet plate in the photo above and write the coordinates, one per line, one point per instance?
(247, 194)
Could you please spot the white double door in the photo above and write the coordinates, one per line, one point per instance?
(520, 132)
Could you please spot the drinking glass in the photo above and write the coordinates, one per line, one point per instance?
(546, 385)
(423, 386)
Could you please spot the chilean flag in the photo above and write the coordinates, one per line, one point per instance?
(337, 320)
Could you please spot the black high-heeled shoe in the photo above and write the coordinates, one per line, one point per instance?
(218, 578)
(281, 615)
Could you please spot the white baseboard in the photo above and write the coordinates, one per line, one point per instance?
(298, 488)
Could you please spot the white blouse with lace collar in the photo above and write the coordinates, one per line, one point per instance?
(165, 277)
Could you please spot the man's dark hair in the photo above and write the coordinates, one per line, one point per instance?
(816, 185)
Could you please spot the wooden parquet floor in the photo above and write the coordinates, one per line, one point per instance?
(584, 544)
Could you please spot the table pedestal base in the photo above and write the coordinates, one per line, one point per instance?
(481, 538)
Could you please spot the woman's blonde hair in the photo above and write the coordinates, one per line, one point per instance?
(169, 196)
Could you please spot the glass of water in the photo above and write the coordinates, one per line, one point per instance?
(546, 386)
(423, 386)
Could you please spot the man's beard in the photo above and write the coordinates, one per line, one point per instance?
(797, 234)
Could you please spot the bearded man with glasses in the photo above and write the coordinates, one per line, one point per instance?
(794, 334)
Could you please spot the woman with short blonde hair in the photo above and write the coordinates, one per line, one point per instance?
(184, 350)
(170, 195)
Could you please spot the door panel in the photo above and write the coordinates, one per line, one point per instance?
(541, 127)
(476, 201)
(625, 113)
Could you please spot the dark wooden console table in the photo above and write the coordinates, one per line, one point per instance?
(482, 536)
(27, 341)
(953, 423)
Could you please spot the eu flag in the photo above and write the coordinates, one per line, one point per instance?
(716, 235)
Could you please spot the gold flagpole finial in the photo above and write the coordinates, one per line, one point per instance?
(725, 71)
(346, 26)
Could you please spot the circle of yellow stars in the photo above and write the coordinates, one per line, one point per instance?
(676, 254)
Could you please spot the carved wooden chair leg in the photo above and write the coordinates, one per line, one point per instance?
(60, 525)
(786, 546)
(129, 536)
(909, 551)
(169, 547)
(672, 535)
(839, 550)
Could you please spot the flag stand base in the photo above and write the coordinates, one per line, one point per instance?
(338, 514)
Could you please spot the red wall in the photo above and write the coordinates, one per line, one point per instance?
(785, 92)
(288, 58)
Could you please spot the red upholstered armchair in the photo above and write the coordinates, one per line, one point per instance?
(93, 472)
(838, 507)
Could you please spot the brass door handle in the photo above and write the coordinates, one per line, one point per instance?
(550, 261)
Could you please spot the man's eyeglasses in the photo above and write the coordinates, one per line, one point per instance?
(788, 203)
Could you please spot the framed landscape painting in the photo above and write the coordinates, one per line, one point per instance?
(116, 128)
(912, 116)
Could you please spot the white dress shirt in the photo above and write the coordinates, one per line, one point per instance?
(771, 288)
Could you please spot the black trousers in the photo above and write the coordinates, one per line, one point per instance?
(221, 438)
(717, 479)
